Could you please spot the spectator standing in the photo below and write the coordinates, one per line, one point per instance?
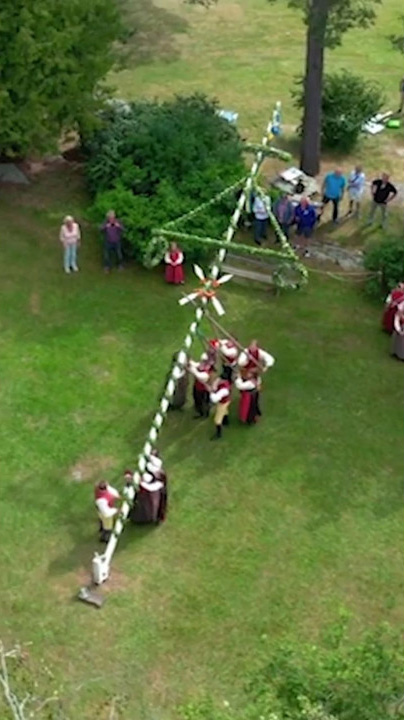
(284, 213)
(306, 218)
(260, 212)
(356, 186)
(174, 259)
(333, 191)
(70, 238)
(400, 109)
(112, 230)
(383, 192)
(398, 333)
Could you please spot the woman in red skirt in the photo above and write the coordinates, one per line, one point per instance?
(174, 259)
(392, 301)
(248, 409)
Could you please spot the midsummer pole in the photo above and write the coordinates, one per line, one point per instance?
(101, 562)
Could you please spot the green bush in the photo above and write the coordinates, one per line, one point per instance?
(386, 257)
(332, 680)
(155, 161)
(348, 101)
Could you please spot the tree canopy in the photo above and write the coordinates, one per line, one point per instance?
(54, 55)
(327, 21)
(331, 679)
(153, 162)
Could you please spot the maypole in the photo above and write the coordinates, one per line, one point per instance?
(102, 562)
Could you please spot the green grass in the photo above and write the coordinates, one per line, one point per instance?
(248, 55)
(270, 532)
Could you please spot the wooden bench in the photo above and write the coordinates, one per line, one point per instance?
(244, 274)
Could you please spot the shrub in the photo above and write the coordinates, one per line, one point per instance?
(386, 257)
(157, 161)
(348, 101)
(334, 680)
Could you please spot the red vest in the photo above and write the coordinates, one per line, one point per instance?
(224, 384)
(174, 256)
(227, 352)
(105, 495)
(202, 367)
(253, 359)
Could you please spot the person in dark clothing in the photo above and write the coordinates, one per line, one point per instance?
(285, 214)
(150, 505)
(202, 372)
(400, 109)
(112, 231)
(306, 218)
(383, 192)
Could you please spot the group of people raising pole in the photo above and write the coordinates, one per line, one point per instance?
(393, 320)
(222, 366)
(150, 506)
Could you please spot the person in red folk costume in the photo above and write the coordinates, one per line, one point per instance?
(393, 300)
(202, 373)
(211, 353)
(229, 354)
(248, 409)
(398, 333)
(221, 397)
(105, 499)
(254, 360)
(150, 505)
(174, 259)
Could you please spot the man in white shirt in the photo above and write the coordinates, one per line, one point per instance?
(260, 211)
(356, 186)
(105, 498)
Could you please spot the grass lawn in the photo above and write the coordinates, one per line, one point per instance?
(270, 532)
(248, 55)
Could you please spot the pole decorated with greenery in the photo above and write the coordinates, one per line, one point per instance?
(101, 563)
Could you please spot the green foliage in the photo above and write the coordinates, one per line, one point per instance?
(348, 101)
(156, 162)
(334, 680)
(340, 15)
(386, 257)
(53, 57)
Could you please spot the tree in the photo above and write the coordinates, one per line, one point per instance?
(54, 56)
(341, 119)
(327, 21)
(153, 162)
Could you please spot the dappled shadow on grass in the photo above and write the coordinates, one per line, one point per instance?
(80, 554)
(151, 34)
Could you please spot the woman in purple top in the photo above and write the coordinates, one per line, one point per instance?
(112, 230)
(305, 217)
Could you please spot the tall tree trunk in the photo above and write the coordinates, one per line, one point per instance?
(313, 86)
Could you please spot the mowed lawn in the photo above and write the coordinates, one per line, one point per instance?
(270, 532)
(248, 55)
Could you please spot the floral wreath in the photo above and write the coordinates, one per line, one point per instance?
(155, 252)
(283, 282)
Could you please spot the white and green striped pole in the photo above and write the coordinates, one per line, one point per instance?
(101, 563)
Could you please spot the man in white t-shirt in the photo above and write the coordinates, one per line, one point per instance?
(356, 186)
(260, 211)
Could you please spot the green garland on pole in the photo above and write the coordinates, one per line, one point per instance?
(155, 252)
(267, 151)
(214, 242)
(209, 203)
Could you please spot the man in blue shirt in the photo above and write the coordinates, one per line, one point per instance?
(333, 191)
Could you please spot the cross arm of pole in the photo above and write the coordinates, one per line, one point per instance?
(267, 150)
(286, 254)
